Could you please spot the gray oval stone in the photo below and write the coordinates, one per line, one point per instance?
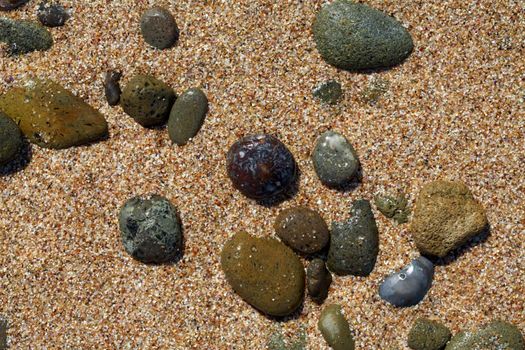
(410, 285)
(335, 160)
(10, 139)
(335, 328)
(187, 115)
(159, 28)
(24, 36)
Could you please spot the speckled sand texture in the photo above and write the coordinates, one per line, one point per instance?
(454, 110)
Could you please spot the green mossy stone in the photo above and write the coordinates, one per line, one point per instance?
(446, 216)
(428, 335)
(147, 100)
(52, 117)
(264, 272)
(355, 36)
(329, 92)
(394, 207)
(497, 335)
(187, 115)
(10, 139)
(335, 328)
(355, 243)
(24, 36)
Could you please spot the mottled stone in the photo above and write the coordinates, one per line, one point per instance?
(147, 100)
(159, 28)
(394, 207)
(187, 115)
(427, 334)
(446, 216)
(355, 242)
(335, 160)
(260, 166)
(410, 285)
(354, 36)
(24, 36)
(112, 87)
(374, 91)
(329, 92)
(7, 5)
(264, 272)
(52, 117)
(52, 14)
(318, 280)
(10, 139)
(335, 328)
(150, 229)
(497, 335)
(302, 229)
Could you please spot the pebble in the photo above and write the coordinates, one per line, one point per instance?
(329, 92)
(159, 28)
(51, 116)
(354, 244)
(10, 139)
(302, 229)
(446, 216)
(112, 87)
(427, 334)
(24, 36)
(264, 272)
(410, 285)
(147, 100)
(187, 115)
(150, 229)
(335, 160)
(260, 166)
(335, 328)
(318, 280)
(496, 335)
(7, 5)
(354, 36)
(393, 207)
(52, 14)
(3, 334)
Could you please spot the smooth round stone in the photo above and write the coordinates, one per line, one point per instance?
(7, 5)
(446, 216)
(260, 166)
(264, 272)
(410, 285)
(187, 115)
(52, 14)
(10, 139)
(329, 92)
(302, 229)
(335, 160)
(159, 28)
(151, 230)
(147, 100)
(335, 328)
(427, 334)
(112, 87)
(354, 36)
(354, 243)
(23, 36)
(496, 335)
(318, 280)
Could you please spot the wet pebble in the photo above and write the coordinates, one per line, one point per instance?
(187, 115)
(318, 280)
(427, 334)
(159, 28)
(10, 139)
(335, 328)
(52, 14)
(410, 285)
(112, 87)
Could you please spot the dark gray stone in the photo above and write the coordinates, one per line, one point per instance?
(24, 36)
(112, 87)
(187, 115)
(318, 280)
(329, 92)
(3, 334)
(151, 230)
(10, 139)
(52, 14)
(7, 5)
(410, 285)
(355, 243)
(159, 28)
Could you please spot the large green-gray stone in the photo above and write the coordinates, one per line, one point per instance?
(497, 335)
(427, 334)
(354, 36)
(335, 328)
(187, 115)
(52, 117)
(24, 36)
(355, 242)
(10, 139)
(264, 272)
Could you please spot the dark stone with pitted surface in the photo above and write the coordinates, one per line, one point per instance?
(22, 36)
(427, 334)
(159, 28)
(52, 14)
(497, 335)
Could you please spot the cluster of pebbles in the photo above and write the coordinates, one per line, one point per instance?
(267, 273)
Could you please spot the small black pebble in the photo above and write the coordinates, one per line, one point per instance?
(52, 14)
(112, 87)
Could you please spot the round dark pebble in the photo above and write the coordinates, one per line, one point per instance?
(10, 139)
(318, 280)
(112, 87)
(52, 14)
(159, 28)
(260, 166)
(7, 5)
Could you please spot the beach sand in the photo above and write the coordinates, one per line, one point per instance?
(455, 109)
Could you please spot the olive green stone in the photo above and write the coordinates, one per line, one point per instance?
(147, 100)
(335, 328)
(446, 216)
(52, 117)
(24, 36)
(355, 36)
(318, 280)
(10, 139)
(302, 229)
(187, 115)
(428, 335)
(497, 335)
(394, 207)
(264, 272)
(329, 92)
